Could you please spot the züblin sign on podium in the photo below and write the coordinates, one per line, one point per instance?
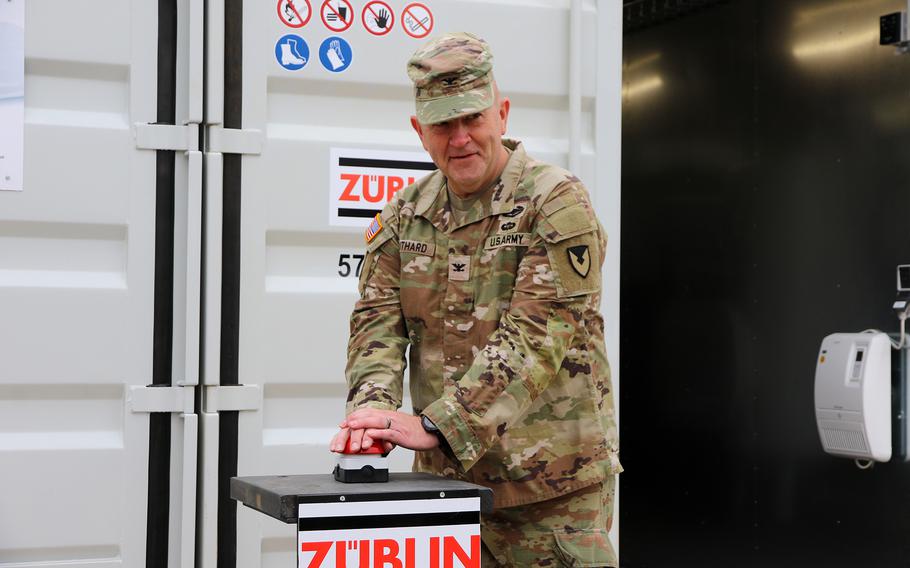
(409, 533)
(414, 521)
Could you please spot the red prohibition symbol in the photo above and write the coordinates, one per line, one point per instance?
(337, 15)
(294, 13)
(378, 17)
(417, 20)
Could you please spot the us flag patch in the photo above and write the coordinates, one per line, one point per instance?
(373, 229)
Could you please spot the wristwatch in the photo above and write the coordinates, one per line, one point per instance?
(431, 428)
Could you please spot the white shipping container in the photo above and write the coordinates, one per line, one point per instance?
(262, 280)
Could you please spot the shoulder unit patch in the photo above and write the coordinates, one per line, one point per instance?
(580, 259)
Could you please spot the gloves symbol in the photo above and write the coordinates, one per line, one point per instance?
(334, 55)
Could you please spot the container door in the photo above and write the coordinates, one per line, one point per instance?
(315, 95)
(99, 290)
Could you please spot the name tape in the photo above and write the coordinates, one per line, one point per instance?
(417, 247)
(508, 240)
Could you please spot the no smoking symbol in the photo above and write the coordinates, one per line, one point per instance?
(378, 18)
(417, 20)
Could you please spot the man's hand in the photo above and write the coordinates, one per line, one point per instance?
(369, 425)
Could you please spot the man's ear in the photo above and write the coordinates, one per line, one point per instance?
(504, 106)
(418, 129)
(416, 126)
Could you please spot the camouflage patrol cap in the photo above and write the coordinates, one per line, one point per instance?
(453, 76)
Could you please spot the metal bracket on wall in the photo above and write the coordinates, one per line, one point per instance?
(234, 140)
(232, 397)
(161, 399)
(177, 137)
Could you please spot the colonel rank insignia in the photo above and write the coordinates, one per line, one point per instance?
(374, 228)
(580, 259)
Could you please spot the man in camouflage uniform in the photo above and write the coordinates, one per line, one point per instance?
(489, 269)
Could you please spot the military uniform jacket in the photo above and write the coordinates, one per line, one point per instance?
(501, 313)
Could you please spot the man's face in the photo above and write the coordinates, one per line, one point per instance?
(468, 150)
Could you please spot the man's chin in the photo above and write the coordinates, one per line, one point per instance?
(467, 187)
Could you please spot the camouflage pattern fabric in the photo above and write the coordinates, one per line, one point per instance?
(452, 77)
(571, 530)
(501, 312)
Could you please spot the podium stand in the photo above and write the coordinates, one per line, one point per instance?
(415, 520)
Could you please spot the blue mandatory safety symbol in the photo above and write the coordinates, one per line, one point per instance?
(292, 52)
(335, 54)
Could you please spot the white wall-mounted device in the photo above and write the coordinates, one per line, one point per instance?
(903, 278)
(893, 30)
(853, 395)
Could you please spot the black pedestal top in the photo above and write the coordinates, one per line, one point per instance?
(278, 495)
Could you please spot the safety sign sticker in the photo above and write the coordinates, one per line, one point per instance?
(378, 18)
(417, 20)
(294, 13)
(292, 52)
(337, 15)
(362, 181)
(12, 93)
(335, 54)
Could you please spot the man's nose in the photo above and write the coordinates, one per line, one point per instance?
(459, 135)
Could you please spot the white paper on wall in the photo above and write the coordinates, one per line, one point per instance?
(12, 93)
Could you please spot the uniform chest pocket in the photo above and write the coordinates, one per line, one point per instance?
(497, 270)
(416, 267)
(418, 261)
(419, 283)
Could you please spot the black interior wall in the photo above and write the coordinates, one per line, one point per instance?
(765, 184)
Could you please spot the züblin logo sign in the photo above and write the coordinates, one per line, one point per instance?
(407, 533)
(442, 552)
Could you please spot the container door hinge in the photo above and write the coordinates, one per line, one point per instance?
(234, 140)
(165, 398)
(232, 397)
(183, 137)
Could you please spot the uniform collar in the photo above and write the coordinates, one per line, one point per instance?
(433, 203)
(503, 196)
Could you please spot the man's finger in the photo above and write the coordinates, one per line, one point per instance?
(381, 421)
(356, 439)
(384, 435)
(339, 440)
(361, 414)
